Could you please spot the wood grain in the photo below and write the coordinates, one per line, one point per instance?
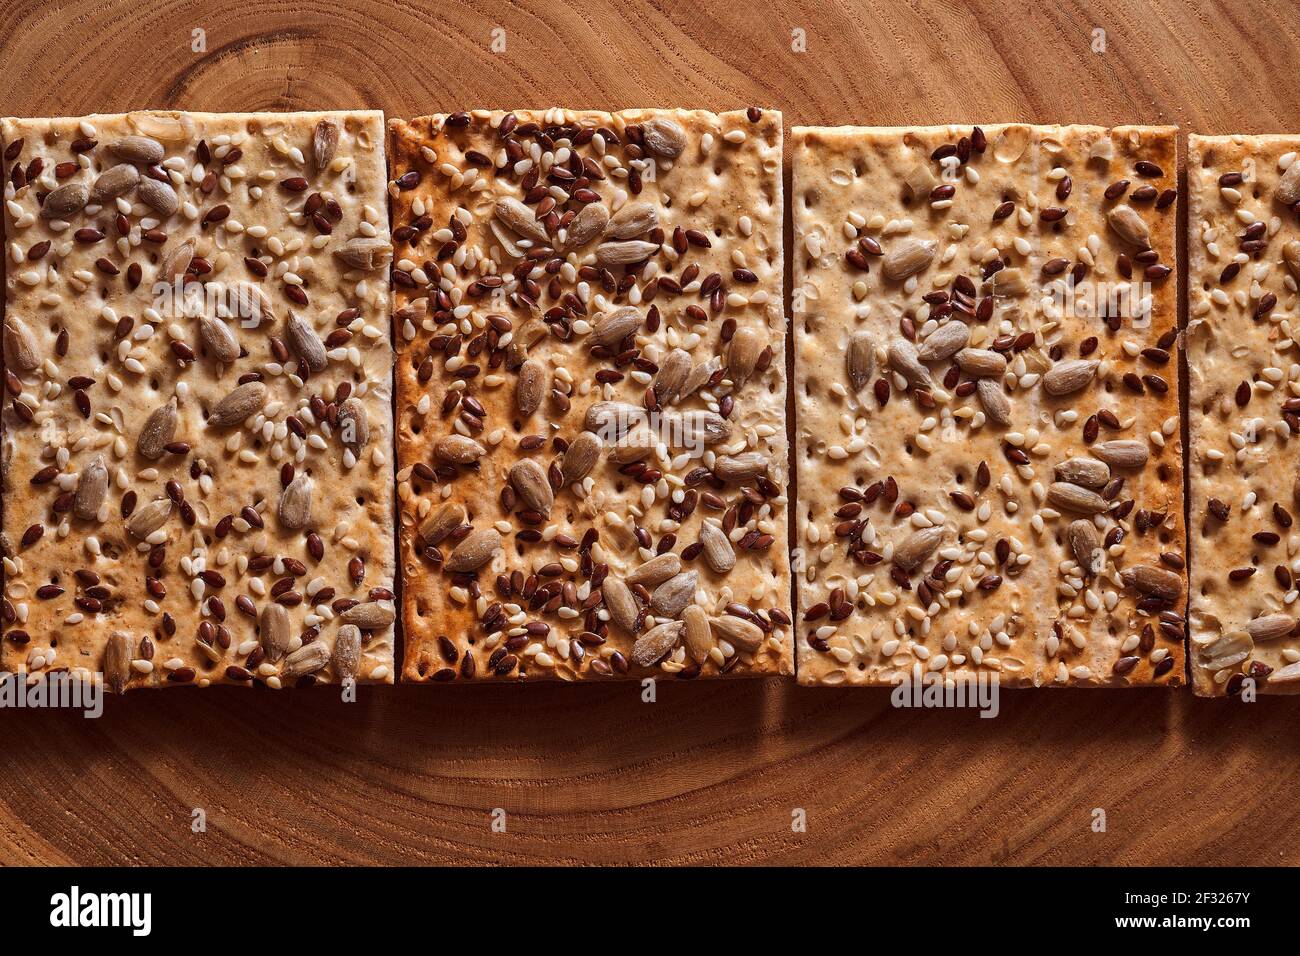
(708, 773)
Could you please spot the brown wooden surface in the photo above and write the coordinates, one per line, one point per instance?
(709, 773)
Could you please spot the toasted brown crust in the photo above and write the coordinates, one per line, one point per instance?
(182, 604)
(1244, 388)
(726, 183)
(907, 463)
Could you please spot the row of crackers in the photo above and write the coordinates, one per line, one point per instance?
(545, 351)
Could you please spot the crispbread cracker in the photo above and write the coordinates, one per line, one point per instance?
(96, 350)
(901, 237)
(482, 287)
(1244, 411)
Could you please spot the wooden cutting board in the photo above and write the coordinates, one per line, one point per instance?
(710, 772)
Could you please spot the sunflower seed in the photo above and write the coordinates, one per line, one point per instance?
(1127, 453)
(235, 408)
(478, 548)
(521, 220)
(274, 636)
(620, 604)
(371, 615)
(305, 342)
(742, 467)
(579, 458)
(1228, 650)
(920, 181)
(208, 650)
(354, 426)
(92, 489)
(1291, 252)
(1085, 546)
(117, 662)
(611, 419)
(624, 253)
(1155, 582)
(530, 387)
(1129, 226)
(860, 356)
(994, 401)
(918, 547)
(324, 144)
(904, 360)
(530, 333)
(251, 304)
(218, 340)
(633, 446)
(673, 595)
(158, 196)
(177, 260)
(655, 643)
(587, 226)
(1066, 378)
(1285, 675)
(944, 342)
(307, 659)
(691, 429)
(613, 327)
(982, 363)
(66, 201)
(1009, 283)
(157, 432)
(664, 137)
(530, 482)
(1270, 627)
(699, 375)
(458, 449)
(113, 182)
(657, 570)
(717, 548)
(1288, 187)
(20, 345)
(1072, 497)
(907, 258)
(1086, 472)
(634, 219)
(696, 633)
(366, 253)
(295, 502)
(672, 375)
(346, 658)
(137, 149)
(147, 519)
(738, 632)
(743, 352)
(441, 522)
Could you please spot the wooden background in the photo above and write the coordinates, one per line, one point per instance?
(710, 773)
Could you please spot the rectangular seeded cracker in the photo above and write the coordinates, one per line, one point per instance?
(591, 394)
(197, 487)
(987, 438)
(1244, 411)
